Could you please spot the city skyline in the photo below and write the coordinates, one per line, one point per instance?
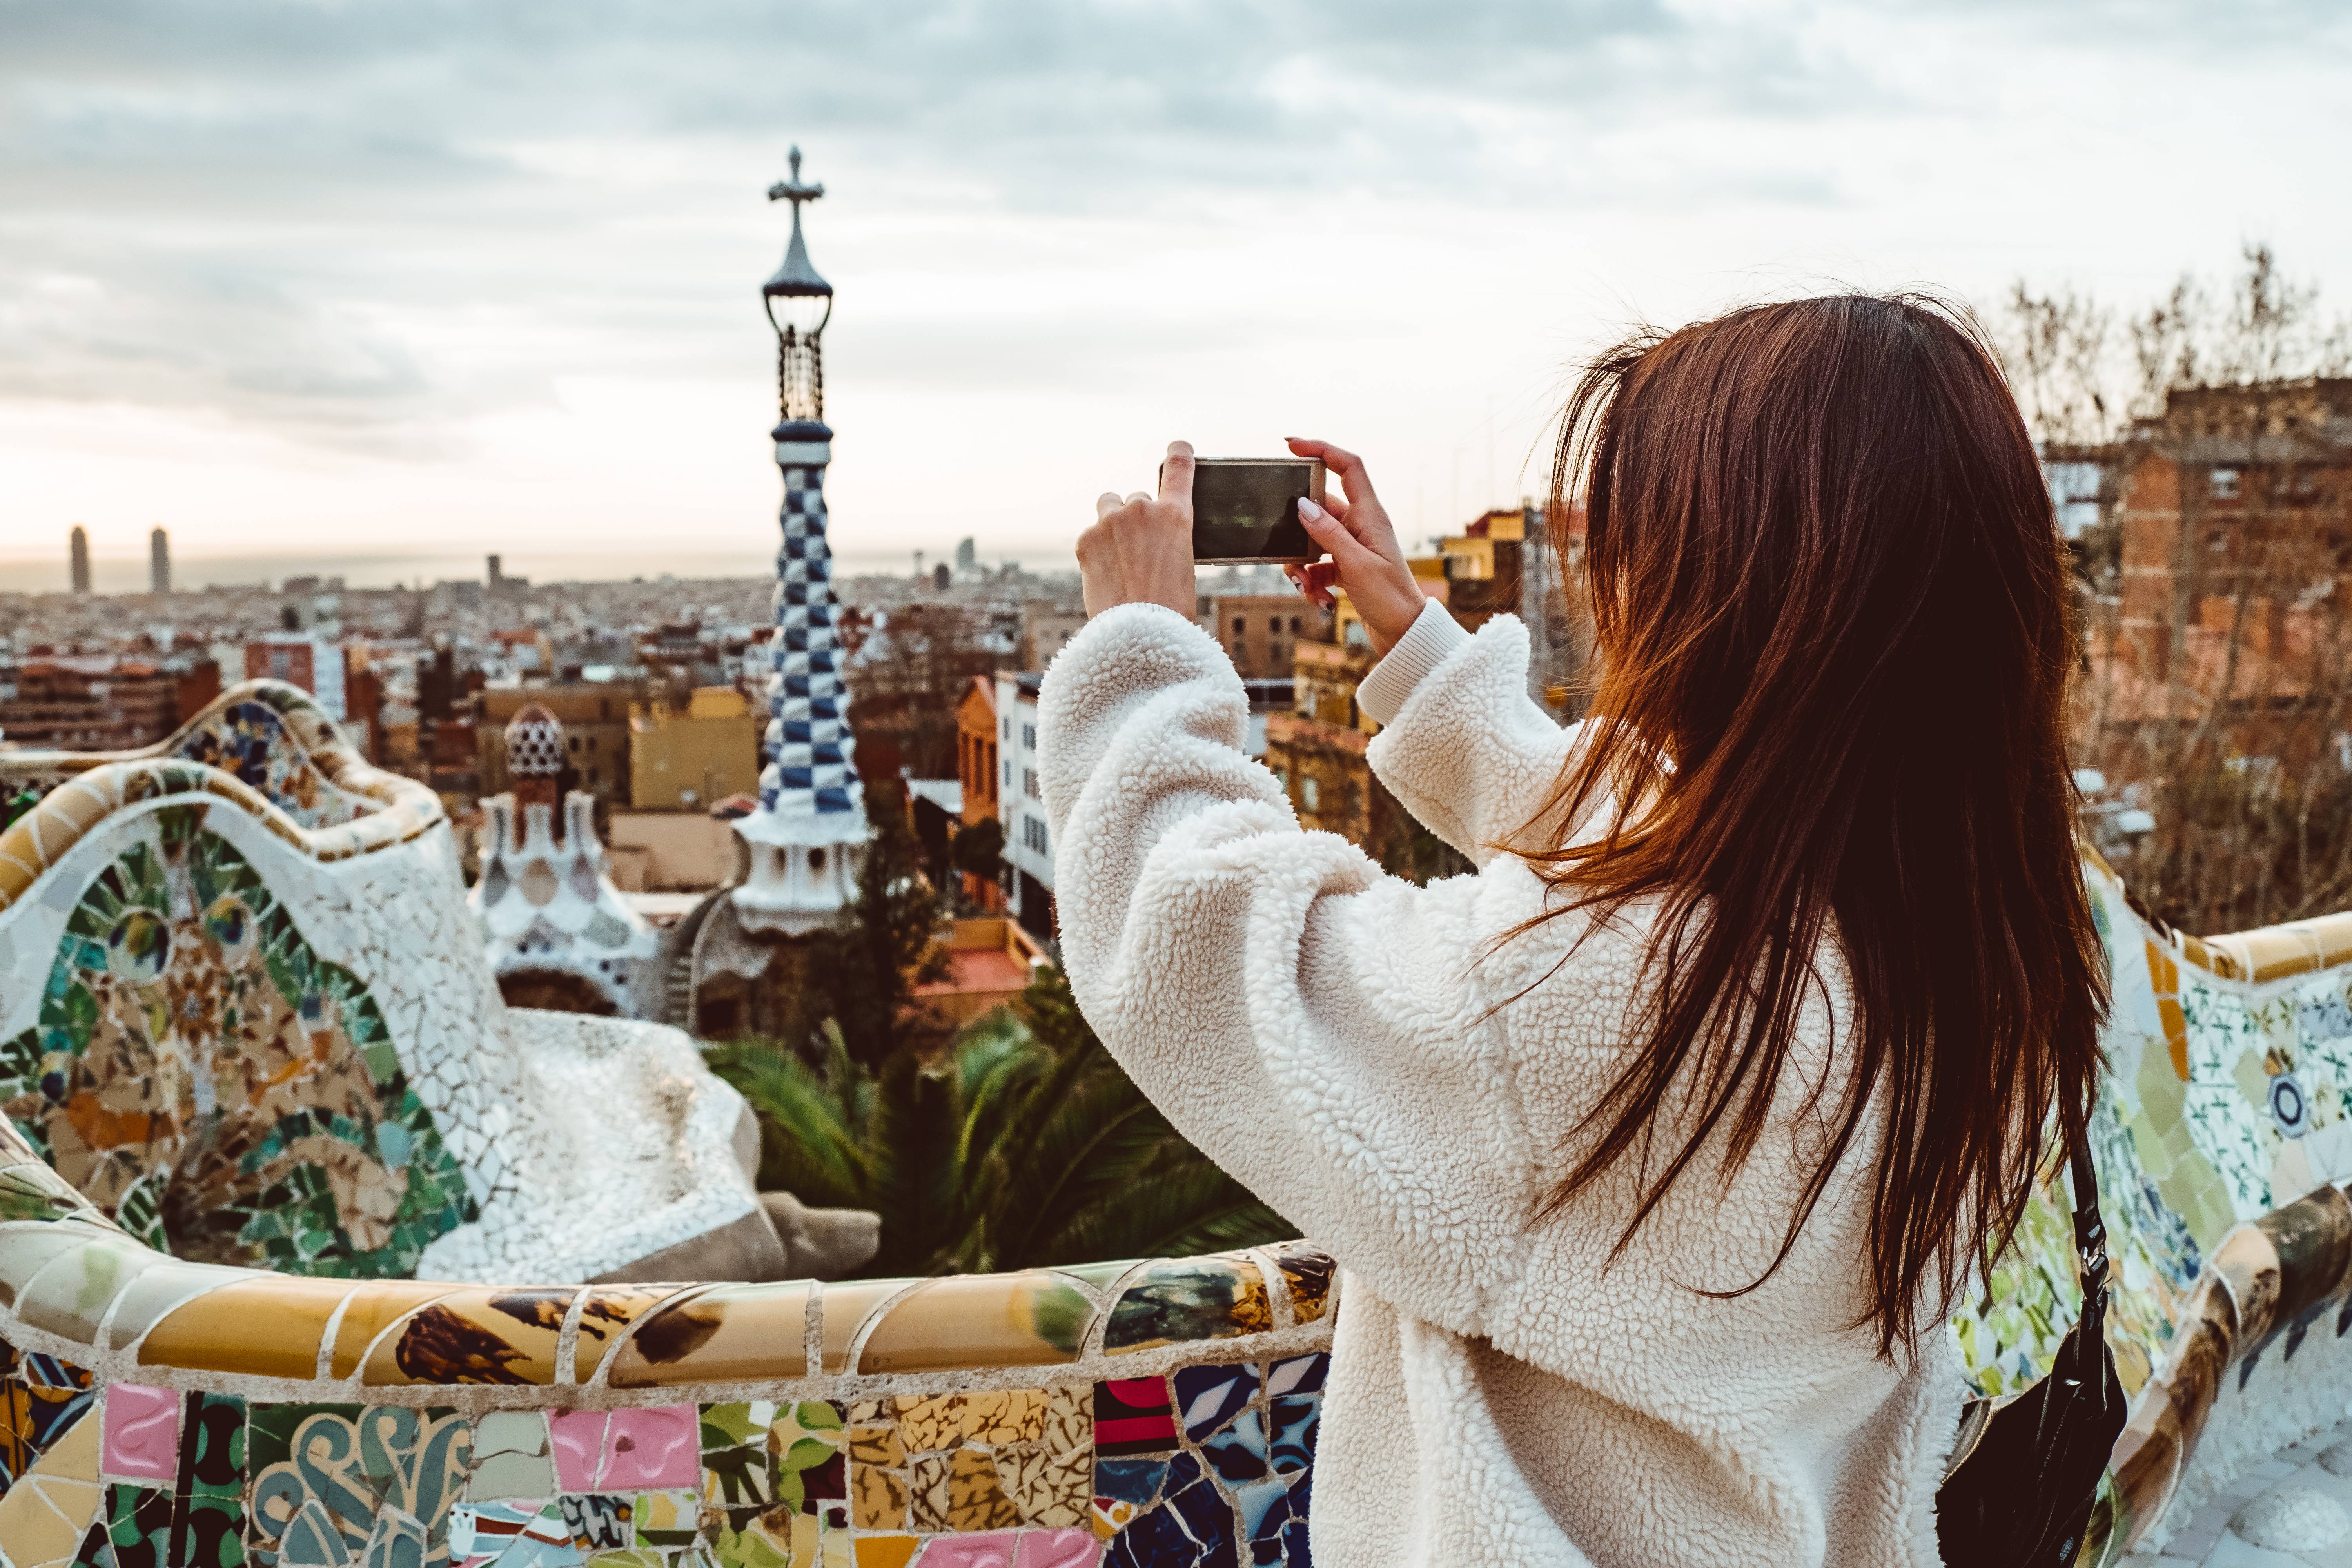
(313, 288)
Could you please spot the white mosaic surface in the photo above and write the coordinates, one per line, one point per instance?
(2292, 1500)
(588, 1142)
(546, 905)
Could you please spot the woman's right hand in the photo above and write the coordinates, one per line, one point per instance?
(1365, 558)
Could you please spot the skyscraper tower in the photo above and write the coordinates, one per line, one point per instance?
(808, 838)
(159, 562)
(80, 559)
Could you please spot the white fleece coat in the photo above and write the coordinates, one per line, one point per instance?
(1330, 1036)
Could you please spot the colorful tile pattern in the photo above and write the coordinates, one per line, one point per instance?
(222, 1090)
(2222, 1137)
(1055, 1476)
(203, 1145)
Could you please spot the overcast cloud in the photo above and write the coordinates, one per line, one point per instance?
(338, 274)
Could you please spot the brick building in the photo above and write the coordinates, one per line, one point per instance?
(1318, 748)
(1262, 631)
(2233, 535)
(100, 702)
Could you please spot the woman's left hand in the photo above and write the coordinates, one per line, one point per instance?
(1140, 549)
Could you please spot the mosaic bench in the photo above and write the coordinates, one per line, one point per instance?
(159, 1412)
(246, 1011)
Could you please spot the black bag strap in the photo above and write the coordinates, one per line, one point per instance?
(2089, 1230)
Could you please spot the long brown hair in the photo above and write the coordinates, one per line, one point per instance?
(1831, 604)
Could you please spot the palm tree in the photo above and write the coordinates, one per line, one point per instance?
(1023, 1144)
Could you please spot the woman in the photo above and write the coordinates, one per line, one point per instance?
(1655, 1152)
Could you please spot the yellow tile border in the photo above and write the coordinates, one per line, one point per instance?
(103, 783)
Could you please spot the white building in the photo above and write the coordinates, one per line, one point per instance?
(1020, 808)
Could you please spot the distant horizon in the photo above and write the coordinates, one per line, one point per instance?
(49, 571)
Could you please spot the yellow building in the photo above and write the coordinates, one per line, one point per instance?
(680, 760)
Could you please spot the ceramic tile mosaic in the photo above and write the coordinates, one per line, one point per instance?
(547, 904)
(1012, 1476)
(226, 1093)
(1162, 1412)
(253, 1020)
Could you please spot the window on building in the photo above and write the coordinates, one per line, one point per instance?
(1274, 625)
(1282, 776)
(1238, 626)
(1028, 737)
(1294, 625)
(1029, 784)
(2225, 484)
(1240, 652)
(1308, 795)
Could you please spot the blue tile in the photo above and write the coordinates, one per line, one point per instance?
(1208, 1518)
(1209, 1397)
(1130, 1480)
(1295, 1422)
(1301, 1374)
(1238, 1453)
(1260, 1502)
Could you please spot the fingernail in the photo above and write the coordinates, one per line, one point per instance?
(1308, 511)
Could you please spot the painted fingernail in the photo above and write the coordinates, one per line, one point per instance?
(1308, 511)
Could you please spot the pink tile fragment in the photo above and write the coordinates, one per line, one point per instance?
(651, 1448)
(141, 1435)
(1057, 1549)
(993, 1549)
(578, 1438)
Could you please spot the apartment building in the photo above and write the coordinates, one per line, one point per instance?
(1021, 807)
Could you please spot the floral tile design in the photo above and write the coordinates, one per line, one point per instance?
(227, 1095)
(350, 1483)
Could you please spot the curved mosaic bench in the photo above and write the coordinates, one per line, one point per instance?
(2222, 1138)
(161, 1412)
(244, 1011)
(198, 1414)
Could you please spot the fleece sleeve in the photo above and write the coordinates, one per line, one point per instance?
(1318, 1028)
(1469, 753)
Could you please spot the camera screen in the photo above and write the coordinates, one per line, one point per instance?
(1249, 512)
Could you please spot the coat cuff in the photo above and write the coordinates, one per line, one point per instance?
(1434, 634)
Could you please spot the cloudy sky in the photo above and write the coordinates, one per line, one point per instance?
(384, 286)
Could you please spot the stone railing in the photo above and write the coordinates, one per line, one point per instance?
(157, 911)
(164, 1412)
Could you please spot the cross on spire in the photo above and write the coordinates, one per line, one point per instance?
(792, 191)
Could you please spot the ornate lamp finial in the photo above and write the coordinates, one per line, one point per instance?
(799, 303)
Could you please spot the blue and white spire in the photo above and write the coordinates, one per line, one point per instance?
(808, 838)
